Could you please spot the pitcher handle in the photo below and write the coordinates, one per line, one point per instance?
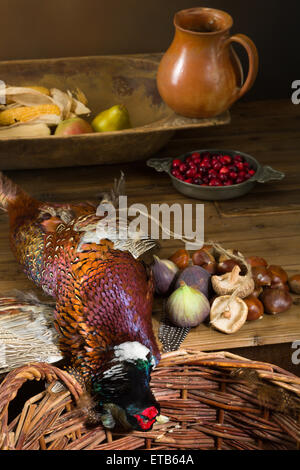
(251, 50)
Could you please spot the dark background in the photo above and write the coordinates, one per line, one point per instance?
(58, 28)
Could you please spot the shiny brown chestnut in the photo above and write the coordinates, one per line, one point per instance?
(181, 258)
(261, 276)
(278, 274)
(226, 266)
(205, 259)
(255, 261)
(294, 283)
(276, 300)
(255, 308)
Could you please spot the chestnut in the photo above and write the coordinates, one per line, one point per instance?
(294, 283)
(226, 266)
(255, 308)
(280, 285)
(278, 274)
(261, 276)
(257, 291)
(255, 261)
(276, 300)
(181, 258)
(205, 259)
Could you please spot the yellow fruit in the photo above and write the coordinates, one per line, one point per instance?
(112, 119)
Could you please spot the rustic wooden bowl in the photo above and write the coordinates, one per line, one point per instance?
(213, 401)
(106, 81)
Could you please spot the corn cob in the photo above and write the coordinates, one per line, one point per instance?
(27, 113)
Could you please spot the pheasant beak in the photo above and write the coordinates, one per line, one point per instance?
(147, 418)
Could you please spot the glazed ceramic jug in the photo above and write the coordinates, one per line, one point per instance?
(200, 75)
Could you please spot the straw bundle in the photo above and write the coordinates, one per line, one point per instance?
(213, 401)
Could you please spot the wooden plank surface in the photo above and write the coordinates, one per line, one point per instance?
(264, 223)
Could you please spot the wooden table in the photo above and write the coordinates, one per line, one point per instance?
(264, 223)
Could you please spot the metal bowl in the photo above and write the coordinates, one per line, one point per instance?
(263, 174)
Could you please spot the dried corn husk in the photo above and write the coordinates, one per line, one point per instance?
(25, 130)
(69, 106)
(26, 332)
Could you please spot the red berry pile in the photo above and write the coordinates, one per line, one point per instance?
(209, 169)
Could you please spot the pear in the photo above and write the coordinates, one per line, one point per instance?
(73, 126)
(112, 119)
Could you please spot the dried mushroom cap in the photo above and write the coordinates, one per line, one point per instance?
(231, 282)
(228, 314)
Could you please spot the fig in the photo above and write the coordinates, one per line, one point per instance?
(181, 258)
(294, 283)
(187, 307)
(73, 126)
(115, 118)
(164, 273)
(196, 277)
(255, 308)
(276, 300)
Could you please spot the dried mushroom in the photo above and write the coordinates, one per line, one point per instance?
(231, 282)
(228, 313)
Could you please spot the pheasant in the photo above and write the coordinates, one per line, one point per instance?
(103, 301)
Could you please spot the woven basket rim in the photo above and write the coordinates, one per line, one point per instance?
(184, 363)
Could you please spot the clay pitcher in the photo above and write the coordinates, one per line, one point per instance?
(200, 75)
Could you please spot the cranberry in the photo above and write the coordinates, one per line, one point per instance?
(239, 165)
(175, 173)
(238, 158)
(232, 168)
(212, 173)
(233, 175)
(223, 177)
(224, 170)
(226, 159)
(188, 180)
(217, 165)
(204, 184)
(176, 163)
(215, 182)
(251, 172)
(205, 180)
(191, 172)
(205, 155)
(228, 183)
(205, 164)
(183, 168)
(242, 174)
(195, 155)
(198, 181)
(197, 161)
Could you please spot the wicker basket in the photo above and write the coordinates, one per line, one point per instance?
(213, 401)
